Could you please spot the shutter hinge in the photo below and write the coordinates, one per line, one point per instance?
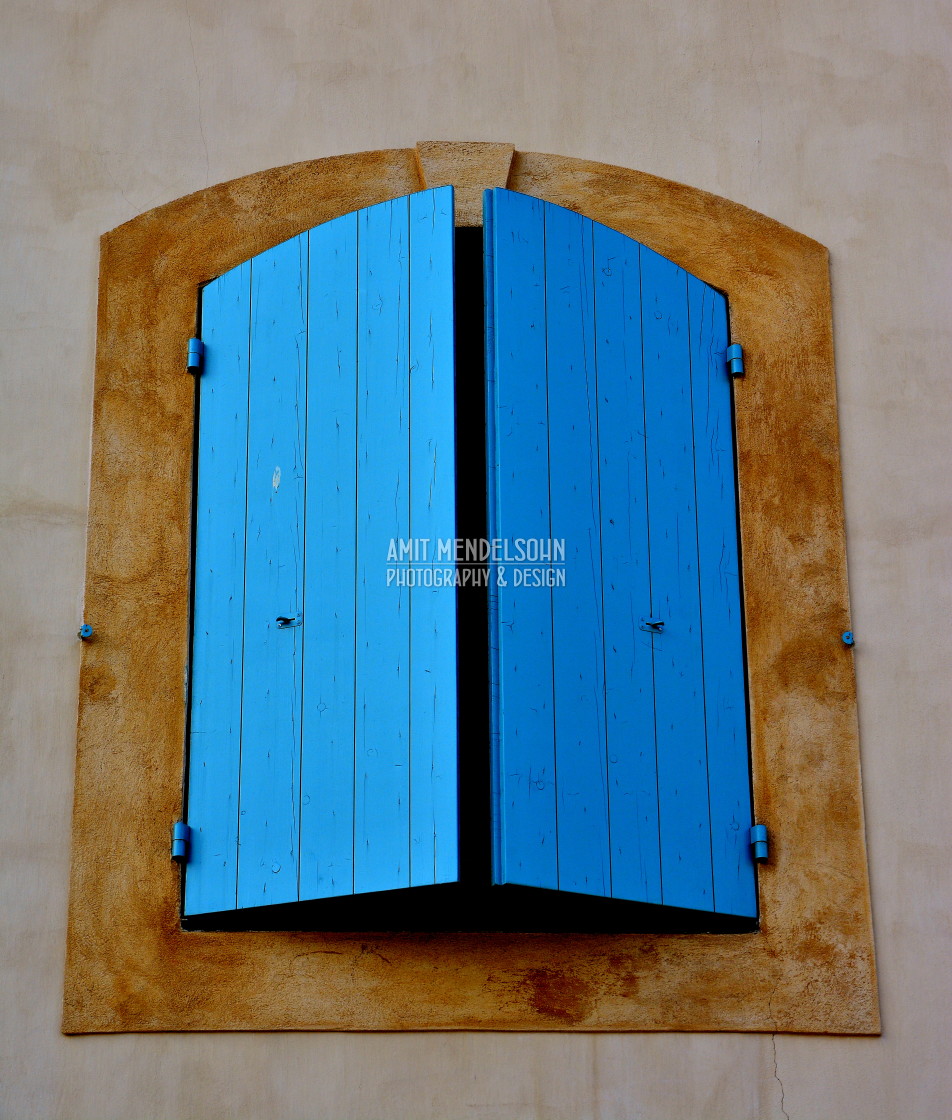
(758, 841)
(181, 837)
(196, 350)
(735, 360)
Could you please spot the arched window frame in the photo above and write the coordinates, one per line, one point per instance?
(809, 968)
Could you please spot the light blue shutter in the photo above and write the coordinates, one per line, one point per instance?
(620, 755)
(322, 756)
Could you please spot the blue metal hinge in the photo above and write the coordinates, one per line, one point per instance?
(181, 838)
(196, 351)
(758, 841)
(735, 360)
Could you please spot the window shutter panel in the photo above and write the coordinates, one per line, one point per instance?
(323, 734)
(620, 753)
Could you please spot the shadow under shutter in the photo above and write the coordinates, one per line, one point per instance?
(620, 755)
(322, 753)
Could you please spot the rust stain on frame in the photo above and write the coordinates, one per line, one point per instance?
(130, 967)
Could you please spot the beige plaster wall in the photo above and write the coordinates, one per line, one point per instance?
(832, 117)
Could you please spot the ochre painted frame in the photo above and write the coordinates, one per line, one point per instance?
(130, 967)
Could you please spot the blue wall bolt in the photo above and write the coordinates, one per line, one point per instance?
(848, 639)
(85, 632)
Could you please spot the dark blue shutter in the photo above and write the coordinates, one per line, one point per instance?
(322, 755)
(620, 755)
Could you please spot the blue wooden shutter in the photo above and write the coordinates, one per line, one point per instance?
(620, 755)
(322, 755)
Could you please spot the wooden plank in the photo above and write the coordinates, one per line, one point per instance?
(626, 587)
(434, 815)
(679, 687)
(382, 776)
(330, 541)
(271, 709)
(492, 505)
(211, 879)
(719, 568)
(525, 810)
(577, 629)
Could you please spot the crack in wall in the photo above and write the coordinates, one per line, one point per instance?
(773, 1042)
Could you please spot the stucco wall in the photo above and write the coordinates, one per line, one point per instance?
(833, 118)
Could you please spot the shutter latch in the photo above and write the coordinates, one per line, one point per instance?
(651, 625)
(758, 841)
(196, 350)
(735, 359)
(181, 835)
(284, 622)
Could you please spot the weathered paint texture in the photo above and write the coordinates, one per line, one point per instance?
(130, 966)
